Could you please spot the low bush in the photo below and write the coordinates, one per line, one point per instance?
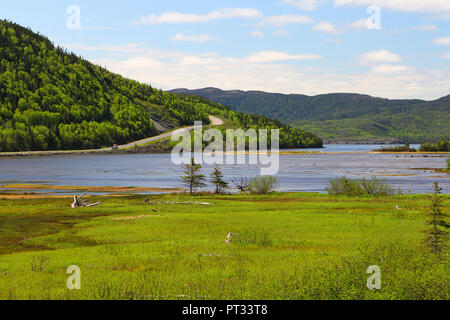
(263, 185)
(359, 187)
(39, 263)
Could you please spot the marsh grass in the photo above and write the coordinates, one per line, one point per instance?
(404, 148)
(260, 238)
(39, 263)
(360, 187)
(290, 246)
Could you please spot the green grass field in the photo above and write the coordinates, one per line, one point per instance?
(289, 246)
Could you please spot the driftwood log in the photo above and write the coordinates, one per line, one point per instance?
(77, 203)
(230, 237)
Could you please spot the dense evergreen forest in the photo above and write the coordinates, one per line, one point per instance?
(344, 116)
(52, 99)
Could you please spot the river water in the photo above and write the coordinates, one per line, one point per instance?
(300, 172)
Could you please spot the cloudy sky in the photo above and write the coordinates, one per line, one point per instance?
(387, 48)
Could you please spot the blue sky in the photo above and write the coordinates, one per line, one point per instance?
(288, 46)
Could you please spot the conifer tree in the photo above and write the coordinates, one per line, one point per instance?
(217, 180)
(192, 178)
(437, 235)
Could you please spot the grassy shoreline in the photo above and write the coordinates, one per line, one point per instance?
(319, 247)
(31, 154)
(28, 191)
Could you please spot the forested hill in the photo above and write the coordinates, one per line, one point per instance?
(343, 117)
(51, 99)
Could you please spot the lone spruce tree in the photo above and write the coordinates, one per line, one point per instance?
(217, 180)
(437, 235)
(192, 178)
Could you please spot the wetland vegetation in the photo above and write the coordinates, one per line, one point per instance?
(290, 246)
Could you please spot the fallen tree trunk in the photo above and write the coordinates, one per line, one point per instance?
(92, 204)
(77, 203)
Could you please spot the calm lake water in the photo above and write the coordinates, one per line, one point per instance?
(310, 172)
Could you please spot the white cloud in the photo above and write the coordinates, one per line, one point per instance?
(271, 56)
(282, 20)
(142, 62)
(196, 38)
(177, 17)
(401, 5)
(307, 5)
(188, 61)
(326, 27)
(379, 56)
(441, 41)
(445, 16)
(390, 69)
(173, 69)
(280, 33)
(257, 34)
(359, 24)
(446, 55)
(426, 27)
(127, 48)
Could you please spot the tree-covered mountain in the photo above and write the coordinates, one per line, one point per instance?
(52, 99)
(342, 116)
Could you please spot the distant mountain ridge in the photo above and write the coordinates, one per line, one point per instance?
(339, 117)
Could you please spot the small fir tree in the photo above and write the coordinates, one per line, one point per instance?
(437, 235)
(217, 180)
(192, 178)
